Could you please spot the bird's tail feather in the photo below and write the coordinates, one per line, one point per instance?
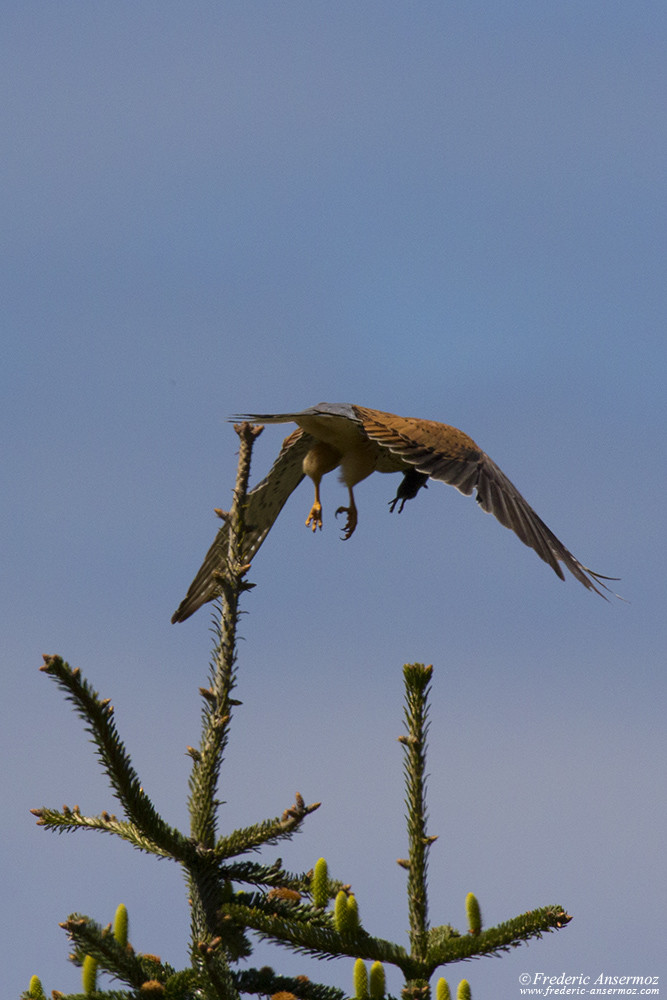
(267, 418)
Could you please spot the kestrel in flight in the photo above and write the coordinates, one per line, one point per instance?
(360, 441)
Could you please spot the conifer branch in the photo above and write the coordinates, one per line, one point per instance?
(217, 973)
(266, 983)
(417, 679)
(217, 700)
(273, 875)
(207, 892)
(315, 938)
(89, 938)
(98, 718)
(279, 903)
(270, 831)
(73, 819)
(494, 940)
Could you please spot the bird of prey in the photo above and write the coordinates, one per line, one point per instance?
(359, 441)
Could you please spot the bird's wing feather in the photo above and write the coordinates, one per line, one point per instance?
(447, 454)
(265, 501)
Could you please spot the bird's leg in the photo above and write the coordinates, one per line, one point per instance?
(314, 519)
(351, 512)
(321, 458)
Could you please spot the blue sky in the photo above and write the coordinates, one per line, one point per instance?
(448, 211)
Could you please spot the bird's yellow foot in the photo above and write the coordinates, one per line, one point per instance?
(350, 523)
(314, 519)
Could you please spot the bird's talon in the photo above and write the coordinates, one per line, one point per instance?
(350, 523)
(314, 519)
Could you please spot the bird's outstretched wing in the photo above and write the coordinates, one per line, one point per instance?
(447, 454)
(265, 501)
